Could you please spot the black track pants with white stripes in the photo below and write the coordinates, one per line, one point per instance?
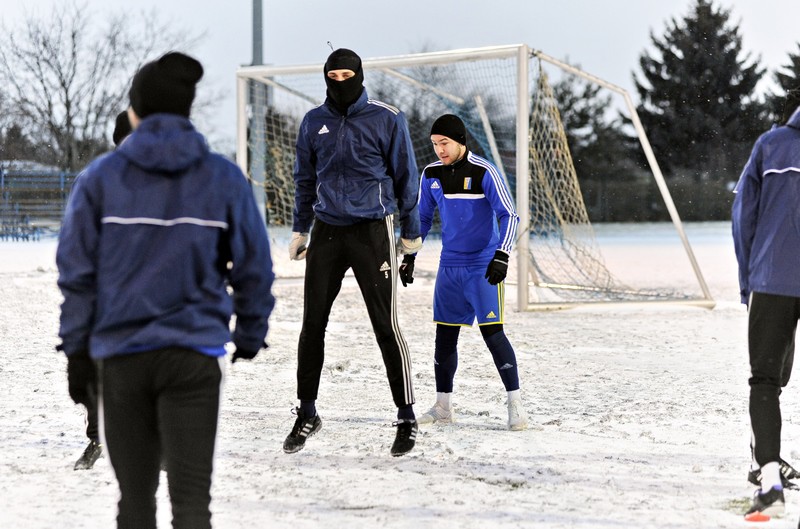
(369, 249)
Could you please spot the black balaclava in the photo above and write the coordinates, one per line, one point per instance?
(344, 93)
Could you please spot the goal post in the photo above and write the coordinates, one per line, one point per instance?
(505, 98)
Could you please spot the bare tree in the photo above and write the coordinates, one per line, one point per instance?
(67, 76)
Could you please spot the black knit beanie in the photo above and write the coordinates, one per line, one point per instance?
(165, 85)
(451, 126)
(344, 93)
(122, 127)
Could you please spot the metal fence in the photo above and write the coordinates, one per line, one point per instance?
(32, 202)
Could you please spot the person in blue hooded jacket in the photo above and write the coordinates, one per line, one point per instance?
(354, 171)
(766, 236)
(93, 450)
(153, 236)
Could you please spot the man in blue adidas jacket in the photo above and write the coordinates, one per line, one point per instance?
(355, 169)
(479, 225)
(153, 235)
(766, 235)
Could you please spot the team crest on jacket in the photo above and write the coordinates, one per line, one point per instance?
(323, 130)
(468, 183)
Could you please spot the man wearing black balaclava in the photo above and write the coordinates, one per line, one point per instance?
(345, 79)
(354, 171)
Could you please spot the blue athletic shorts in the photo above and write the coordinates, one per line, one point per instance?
(462, 294)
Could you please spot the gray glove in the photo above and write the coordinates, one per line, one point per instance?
(297, 246)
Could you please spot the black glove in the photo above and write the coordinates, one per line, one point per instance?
(498, 268)
(245, 354)
(406, 272)
(82, 379)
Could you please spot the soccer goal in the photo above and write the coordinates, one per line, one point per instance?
(505, 96)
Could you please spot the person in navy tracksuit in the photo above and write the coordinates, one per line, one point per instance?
(766, 236)
(479, 226)
(93, 451)
(354, 170)
(154, 234)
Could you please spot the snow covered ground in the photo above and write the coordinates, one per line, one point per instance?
(638, 415)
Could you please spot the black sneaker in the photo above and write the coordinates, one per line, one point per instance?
(768, 503)
(787, 473)
(405, 438)
(90, 456)
(303, 428)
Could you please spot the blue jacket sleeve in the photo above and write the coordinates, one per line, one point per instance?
(251, 275)
(427, 208)
(77, 267)
(305, 181)
(498, 195)
(744, 216)
(403, 167)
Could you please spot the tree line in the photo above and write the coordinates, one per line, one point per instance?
(700, 110)
(65, 76)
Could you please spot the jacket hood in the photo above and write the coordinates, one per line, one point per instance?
(164, 143)
(794, 120)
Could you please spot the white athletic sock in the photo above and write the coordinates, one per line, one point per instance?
(771, 476)
(443, 399)
(514, 395)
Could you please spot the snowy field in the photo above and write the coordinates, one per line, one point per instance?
(638, 415)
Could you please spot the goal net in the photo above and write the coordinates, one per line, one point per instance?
(505, 97)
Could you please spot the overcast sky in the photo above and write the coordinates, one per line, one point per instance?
(606, 37)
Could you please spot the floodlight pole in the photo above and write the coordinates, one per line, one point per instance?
(258, 32)
(257, 93)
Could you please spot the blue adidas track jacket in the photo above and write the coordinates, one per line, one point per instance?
(475, 206)
(355, 167)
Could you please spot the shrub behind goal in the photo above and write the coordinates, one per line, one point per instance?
(504, 96)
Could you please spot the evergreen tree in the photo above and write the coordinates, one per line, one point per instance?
(698, 102)
(599, 147)
(788, 78)
(605, 158)
(15, 145)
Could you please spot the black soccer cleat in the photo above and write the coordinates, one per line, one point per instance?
(89, 457)
(303, 429)
(787, 473)
(406, 437)
(770, 503)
